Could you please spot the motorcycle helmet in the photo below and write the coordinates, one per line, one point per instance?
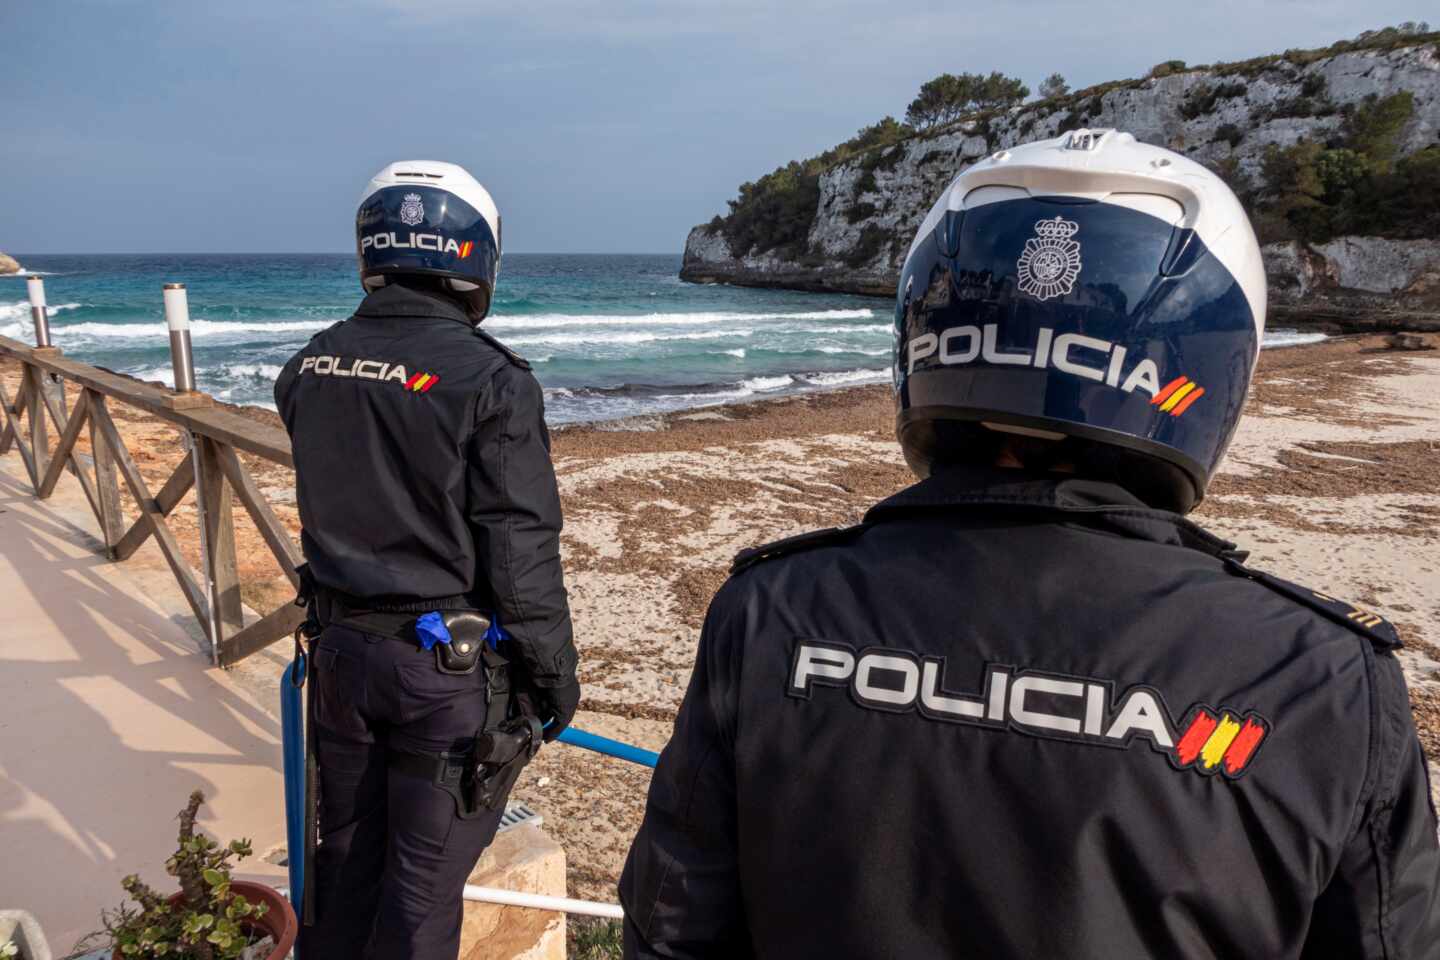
(426, 219)
(1101, 298)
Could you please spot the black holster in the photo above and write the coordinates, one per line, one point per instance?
(479, 779)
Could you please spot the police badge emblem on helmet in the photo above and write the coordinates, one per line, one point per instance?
(1050, 261)
(412, 211)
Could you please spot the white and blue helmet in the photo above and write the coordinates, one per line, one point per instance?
(430, 219)
(1091, 290)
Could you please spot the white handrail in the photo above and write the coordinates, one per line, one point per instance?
(540, 901)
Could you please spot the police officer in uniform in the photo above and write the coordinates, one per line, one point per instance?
(431, 533)
(1026, 709)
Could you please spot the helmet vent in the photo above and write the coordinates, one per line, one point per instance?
(1087, 140)
(432, 176)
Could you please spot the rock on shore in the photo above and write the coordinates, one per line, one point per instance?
(8, 265)
(870, 206)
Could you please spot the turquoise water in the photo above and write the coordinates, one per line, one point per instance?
(609, 336)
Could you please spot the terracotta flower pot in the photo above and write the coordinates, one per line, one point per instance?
(279, 920)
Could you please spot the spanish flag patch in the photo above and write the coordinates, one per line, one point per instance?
(1219, 741)
(422, 382)
(1178, 395)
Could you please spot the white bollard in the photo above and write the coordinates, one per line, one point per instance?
(177, 318)
(38, 311)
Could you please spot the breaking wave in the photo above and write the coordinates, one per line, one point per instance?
(198, 328)
(527, 321)
(15, 319)
(562, 339)
(1290, 338)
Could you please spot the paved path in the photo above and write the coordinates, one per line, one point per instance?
(109, 717)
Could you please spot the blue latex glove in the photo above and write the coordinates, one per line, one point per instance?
(496, 633)
(430, 628)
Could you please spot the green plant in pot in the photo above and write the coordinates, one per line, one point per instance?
(213, 917)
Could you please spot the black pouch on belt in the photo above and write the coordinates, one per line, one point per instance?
(461, 656)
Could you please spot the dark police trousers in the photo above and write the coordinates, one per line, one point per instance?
(393, 854)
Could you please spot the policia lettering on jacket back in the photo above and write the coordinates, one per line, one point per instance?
(1026, 709)
(431, 533)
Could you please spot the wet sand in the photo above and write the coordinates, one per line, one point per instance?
(1330, 482)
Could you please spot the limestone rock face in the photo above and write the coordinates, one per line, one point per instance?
(1277, 103)
(8, 265)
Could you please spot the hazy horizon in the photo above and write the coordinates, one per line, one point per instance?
(161, 127)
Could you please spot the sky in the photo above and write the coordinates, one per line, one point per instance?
(600, 126)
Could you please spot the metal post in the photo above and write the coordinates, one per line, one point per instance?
(38, 311)
(177, 318)
(182, 361)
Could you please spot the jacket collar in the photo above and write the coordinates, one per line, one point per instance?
(394, 300)
(1089, 503)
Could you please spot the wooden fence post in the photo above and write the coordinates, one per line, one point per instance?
(219, 540)
(39, 435)
(107, 485)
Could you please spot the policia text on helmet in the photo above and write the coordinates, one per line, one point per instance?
(443, 654)
(1024, 708)
(1102, 299)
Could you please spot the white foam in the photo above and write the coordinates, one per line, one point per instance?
(1289, 338)
(854, 328)
(262, 371)
(845, 376)
(198, 328)
(761, 384)
(543, 320)
(20, 309)
(15, 321)
(737, 352)
(562, 339)
(164, 374)
(860, 350)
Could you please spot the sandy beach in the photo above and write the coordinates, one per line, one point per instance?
(1330, 482)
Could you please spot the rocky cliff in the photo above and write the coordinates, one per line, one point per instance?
(1235, 118)
(8, 265)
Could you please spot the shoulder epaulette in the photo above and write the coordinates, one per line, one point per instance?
(750, 556)
(509, 354)
(1367, 623)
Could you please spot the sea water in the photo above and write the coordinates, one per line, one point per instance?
(609, 335)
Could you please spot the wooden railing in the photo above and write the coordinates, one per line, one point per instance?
(216, 436)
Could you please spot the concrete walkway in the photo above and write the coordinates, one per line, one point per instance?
(109, 717)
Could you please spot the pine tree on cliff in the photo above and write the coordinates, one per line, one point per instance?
(949, 97)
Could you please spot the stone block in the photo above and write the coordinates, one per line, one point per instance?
(523, 859)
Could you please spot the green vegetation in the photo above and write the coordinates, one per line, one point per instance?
(1353, 183)
(208, 922)
(868, 247)
(1053, 86)
(775, 212)
(595, 939)
(860, 211)
(1204, 98)
(949, 97)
